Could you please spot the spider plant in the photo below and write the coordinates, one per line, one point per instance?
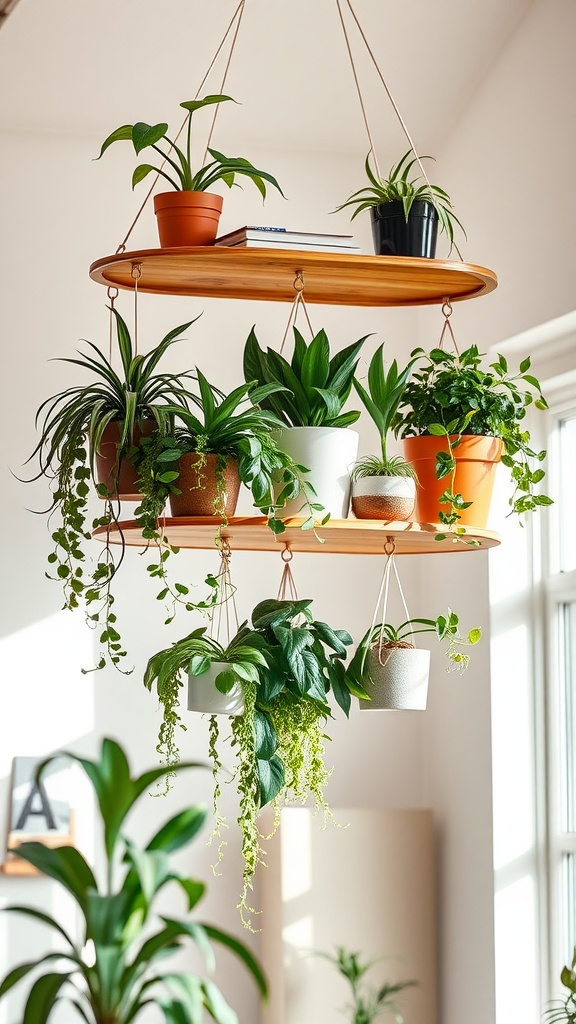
(381, 399)
(179, 173)
(112, 971)
(401, 187)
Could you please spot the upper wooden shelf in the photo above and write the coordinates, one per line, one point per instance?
(330, 278)
(339, 536)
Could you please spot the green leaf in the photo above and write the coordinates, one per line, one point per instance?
(265, 736)
(65, 864)
(43, 997)
(270, 778)
(122, 134)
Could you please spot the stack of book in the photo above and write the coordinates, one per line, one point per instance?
(280, 238)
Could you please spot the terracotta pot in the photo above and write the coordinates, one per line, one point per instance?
(107, 470)
(204, 698)
(187, 218)
(384, 497)
(476, 460)
(329, 453)
(197, 481)
(396, 679)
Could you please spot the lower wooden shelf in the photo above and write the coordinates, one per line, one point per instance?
(339, 536)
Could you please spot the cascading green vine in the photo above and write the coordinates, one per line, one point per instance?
(300, 727)
(247, 781)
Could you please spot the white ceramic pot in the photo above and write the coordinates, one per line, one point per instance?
(329, 453)
(384, 497)
(206, 699)
(396, 679)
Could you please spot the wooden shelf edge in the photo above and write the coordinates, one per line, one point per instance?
(338, 536)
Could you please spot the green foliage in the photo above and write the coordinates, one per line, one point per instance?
(368, 1003)
(287, 663)
(72, 423)
(400, 187)
(179, 173)
(381, 400)
(564, 1012)
(312, 388)
(122, 976)
(452, 395)
(445, 628)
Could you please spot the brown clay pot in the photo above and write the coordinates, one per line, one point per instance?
(391, 498)
(187, 218)
(107, 462)
(198, 484)
(476, 460)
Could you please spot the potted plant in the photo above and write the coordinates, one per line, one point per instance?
(458, 420)
(313, 389)
(90, 432)
(392, 673)
(368, 1003)
(286, 664)
(117, 966)
(189, 214)
(405, 211)
(564, 1011)
(383, 486)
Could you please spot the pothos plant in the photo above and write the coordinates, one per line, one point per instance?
(231, 425)
(72, 425)
(451, 395)
(115, 968)
(287, 664)
(385, 636)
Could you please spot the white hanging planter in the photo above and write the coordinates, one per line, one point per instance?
(396, 679)
(384, 497)
(203, 696)
(329, 453)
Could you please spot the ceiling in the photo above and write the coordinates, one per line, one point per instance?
(87, 66)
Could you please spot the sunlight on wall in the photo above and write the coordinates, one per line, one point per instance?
(516, 961)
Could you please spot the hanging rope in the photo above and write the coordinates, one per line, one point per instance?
(447, 328)
(382, 599)
(296, 304)
(236, 16)
(287, 589)
(112, 294)
(225, 611)
(388, 93)
(136, 274)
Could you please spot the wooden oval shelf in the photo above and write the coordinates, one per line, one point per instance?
(339, 536)
(331, 278)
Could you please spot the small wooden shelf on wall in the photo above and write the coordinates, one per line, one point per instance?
(331, 278)
(339, 536)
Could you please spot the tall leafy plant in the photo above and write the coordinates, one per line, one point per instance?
(312, 388)
(176, 163)
(381, 399)
(367, 1002)
(116, 967)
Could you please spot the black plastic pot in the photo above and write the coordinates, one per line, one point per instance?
(394, 236)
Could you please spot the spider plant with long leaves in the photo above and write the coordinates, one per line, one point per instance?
(72, 426)
(399, 186)
(112, 971)
(180, 175)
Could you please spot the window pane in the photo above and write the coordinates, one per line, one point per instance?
(568, 904)
(566, 493)
(567, 664)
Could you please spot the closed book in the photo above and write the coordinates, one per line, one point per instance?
(281, 235)
(265, 243)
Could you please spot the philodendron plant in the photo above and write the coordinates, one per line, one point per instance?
(176, 163)
(116, 966)
(287, 664)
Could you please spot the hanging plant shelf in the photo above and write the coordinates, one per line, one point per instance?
(339, 536)
(330, 278)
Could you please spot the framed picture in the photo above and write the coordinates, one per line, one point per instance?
(40, 811)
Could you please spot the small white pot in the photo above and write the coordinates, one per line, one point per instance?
(384, 497)
(206, 699)
(329, 453)
(396, 679)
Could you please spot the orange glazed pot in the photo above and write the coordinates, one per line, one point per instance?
(107, 462)
(198, 482)
(476, 460)
(187, 218)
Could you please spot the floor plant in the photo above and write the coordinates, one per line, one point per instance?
(288, 665)
(117, 966)
(367, 1002)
